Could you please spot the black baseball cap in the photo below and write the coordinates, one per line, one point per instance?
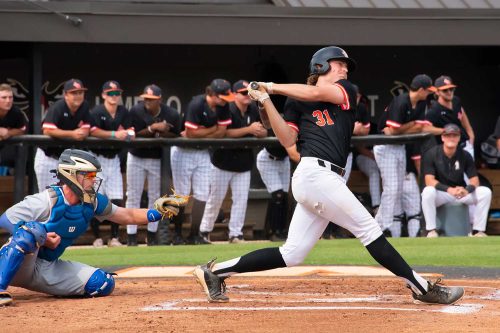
(451, 129)
(223, 89)
(152, 91)
(73, 85)
(422, 81)
(240, 86)
(444, 82)
(111, 86)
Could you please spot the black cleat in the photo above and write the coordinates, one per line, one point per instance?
(439, 294)
(214, 286)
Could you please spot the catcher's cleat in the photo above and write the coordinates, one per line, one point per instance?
(5, 298)
(439, 294)
(214, 286)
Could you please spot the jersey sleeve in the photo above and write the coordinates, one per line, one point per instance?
(86, 117)
(291, 114)
(95, 117)
(427, 165)
(34, 207)
(362, 115)
(394, 114)
(52, 116)
(349, 94)
(223, 115)
(469, 167)
(20, 120)
(174, 119)
(104, 207)
(135, 118)
(192, 119)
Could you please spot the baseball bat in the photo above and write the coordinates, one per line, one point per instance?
(254, 85)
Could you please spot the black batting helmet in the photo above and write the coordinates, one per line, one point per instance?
(319, 61)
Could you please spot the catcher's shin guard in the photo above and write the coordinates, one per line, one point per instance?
(26, 239)
(100, 283)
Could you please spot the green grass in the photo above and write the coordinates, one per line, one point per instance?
(453, 251)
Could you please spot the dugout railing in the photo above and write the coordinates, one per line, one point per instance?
(26, 145)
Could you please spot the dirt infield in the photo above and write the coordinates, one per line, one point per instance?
(258, 304)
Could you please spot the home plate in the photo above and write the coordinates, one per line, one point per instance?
(186, 271)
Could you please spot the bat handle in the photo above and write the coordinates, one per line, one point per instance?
(254, 85)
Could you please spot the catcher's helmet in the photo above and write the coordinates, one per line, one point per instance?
(73, 161)
(319, 61)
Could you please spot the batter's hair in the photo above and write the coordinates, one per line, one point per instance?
(5, 87)
(312, 79)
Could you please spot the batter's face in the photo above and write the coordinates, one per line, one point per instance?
(6, 100)
(446, 94)
(338, 68)
(74, 98)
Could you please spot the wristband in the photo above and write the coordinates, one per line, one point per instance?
(441, 187)
(269, 87)
(153, 215)
(470, 188)
(112, 134)
(150, 130)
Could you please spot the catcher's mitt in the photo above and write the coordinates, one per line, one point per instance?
(168, 205)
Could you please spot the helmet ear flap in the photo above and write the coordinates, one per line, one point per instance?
(320, 67)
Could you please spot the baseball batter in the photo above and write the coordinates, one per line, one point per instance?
(43, 225)
(68, 118)
(110, 121)
(323, 122)
(150, 119)
(231, 167)
(207, 116)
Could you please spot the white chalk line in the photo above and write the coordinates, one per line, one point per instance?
(177, 306)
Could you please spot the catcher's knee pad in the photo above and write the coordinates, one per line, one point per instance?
(100, 283)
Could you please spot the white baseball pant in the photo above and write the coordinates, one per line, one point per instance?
(432, 198)
(391, 161)
(369, 167)
(112, 181)
(220, 181)
(138, 170)
(275, 174)
(191, 168)
(42, 165)
(322, 196)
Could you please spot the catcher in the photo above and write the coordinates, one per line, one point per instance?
(43, 225)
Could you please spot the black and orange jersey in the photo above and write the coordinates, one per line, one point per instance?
(199, 114)
(324, 129)
(103, 120)
(140, 118)
(59, 116)
(400, 112)
(439, 115)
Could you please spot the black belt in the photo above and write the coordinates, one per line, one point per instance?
(335, 168)
(276, 158)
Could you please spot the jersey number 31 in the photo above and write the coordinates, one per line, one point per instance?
(321, 116)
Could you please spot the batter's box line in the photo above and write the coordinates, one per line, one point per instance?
(463, 309)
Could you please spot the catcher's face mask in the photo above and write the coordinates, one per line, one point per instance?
(90, 184)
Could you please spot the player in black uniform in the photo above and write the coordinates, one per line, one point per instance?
(110, 121)
(207, 116)
(231, 167)
(322, 121)
(151, 119)
(68, 118)
(12, 123)
(447, 109)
